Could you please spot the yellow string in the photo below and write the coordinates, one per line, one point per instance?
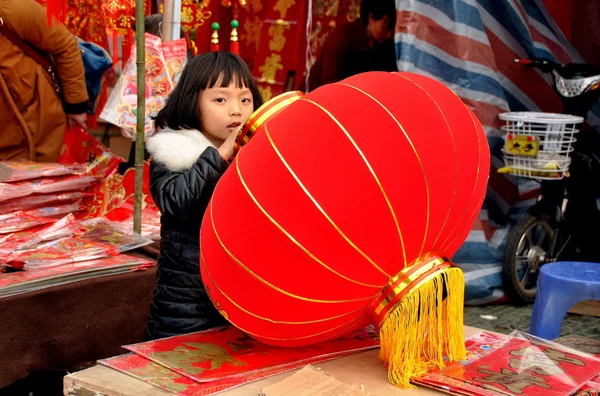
(419, 333)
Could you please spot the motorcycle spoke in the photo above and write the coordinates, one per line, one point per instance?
(542, 238)
(523, 281)
(529, 238)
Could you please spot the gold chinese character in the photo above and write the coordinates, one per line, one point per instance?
(159, 375)
(514, 381)
(278, 41)
(542, 361)
(251, 32)
(265, 92)
(283, 6)
(270, 67)
(323, 8)
(256, 5)
(186, 356)
(187, 15)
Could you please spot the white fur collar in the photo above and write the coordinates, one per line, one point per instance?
(177, 150)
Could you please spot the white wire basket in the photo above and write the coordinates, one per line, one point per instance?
(538, 145)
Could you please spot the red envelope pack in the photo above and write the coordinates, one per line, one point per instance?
(26, 281)
(49, 185)
(13, 191)
(25, 170)
(520, 364)
(58, 252)
(35, 201)
(104, 231)
(227, 353)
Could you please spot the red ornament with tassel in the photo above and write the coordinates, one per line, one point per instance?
(214, 41)
(234, 45)
(345, 209)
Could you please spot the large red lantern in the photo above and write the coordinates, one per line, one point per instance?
(344, 209)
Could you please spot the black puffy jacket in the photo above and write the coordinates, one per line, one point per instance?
(184, 171)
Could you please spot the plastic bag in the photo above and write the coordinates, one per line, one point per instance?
(121, 108)
(175, 53)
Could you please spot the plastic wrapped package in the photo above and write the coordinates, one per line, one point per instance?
(12, 191)
(58, 252)
(26, 170)
(50, 185)
(35, 201)
(249, 359)
(21, 282)
(56, 211)
(81, 147)
(29, 238)
(18, 221)
(520, 364)
(106, 232)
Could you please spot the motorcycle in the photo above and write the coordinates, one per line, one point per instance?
(564, 223)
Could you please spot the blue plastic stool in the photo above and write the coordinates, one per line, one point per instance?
(560, 286)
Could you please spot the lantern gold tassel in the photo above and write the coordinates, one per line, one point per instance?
(421, 320)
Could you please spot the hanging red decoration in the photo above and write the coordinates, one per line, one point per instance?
(340, 212)
(193, 14)
(120, 14)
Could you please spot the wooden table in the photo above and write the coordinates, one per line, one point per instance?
(361, 369)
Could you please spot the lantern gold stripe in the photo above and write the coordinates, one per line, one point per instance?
(408, 281)
(444, 244)
(203, 264)
(420, 164)
(309, 195)
(454, 148)
(248, 270)
(345, 327)
(288, 235)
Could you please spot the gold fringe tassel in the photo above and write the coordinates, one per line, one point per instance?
(422, 329)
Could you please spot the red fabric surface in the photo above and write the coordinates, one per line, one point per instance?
(337, 196)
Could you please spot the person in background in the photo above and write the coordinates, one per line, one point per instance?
(363, 45)
(189, 152)
(33, 115)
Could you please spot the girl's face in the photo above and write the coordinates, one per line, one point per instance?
(224, 110)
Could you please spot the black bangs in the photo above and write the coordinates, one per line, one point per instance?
(229, 69)
(204, 71)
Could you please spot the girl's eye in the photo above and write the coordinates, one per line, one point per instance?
(246, 100)
(220, 100)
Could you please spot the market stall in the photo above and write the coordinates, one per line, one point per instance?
(359, 369)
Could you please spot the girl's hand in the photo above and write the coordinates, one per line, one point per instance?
(226, 149)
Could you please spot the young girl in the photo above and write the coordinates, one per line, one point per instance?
(198, 126)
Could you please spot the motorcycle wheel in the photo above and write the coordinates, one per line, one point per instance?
(526, 251)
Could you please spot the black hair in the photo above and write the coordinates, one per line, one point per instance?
(379, 9)
(153, 25)
(202, 72)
